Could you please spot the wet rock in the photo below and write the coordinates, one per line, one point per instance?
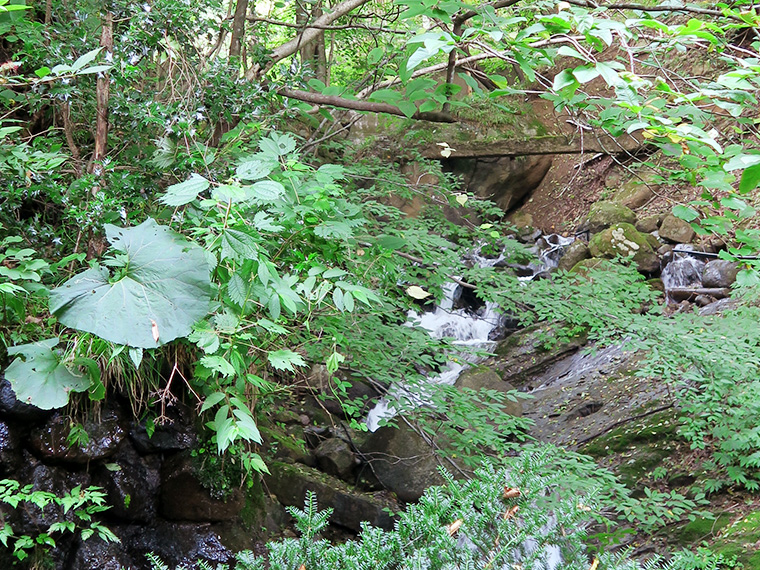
(676, 230)
(97, 554)
(104, 435)
(289, 483)
(131, 483)
(719, 273)
(11, 407)
(175, 434)
(575, 252)
(623, 240)
(634, 194)
(402, 461)
(335, 457)
(525, 352)
(718, 307)
(483, 378)
(175, 543)
(649, 224)
(653, 242)
(10, 450)
(605, 214)
(184, 498)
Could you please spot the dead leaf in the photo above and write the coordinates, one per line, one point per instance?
(594, 564)
(417, 292)
(454, 527)
(154, 330)
(510, 492)
(511, 512)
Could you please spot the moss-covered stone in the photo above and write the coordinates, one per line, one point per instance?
(623, 240)
(741, 539)
(484, 378)
(702, 528)
(633, 194)
(605, 214)
(584, 266)
(575, 252)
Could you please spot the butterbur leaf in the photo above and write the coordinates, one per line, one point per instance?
(38, 377)
(157, 297)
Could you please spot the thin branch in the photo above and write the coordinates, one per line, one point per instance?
(316, 27)
(641, 7)
(372, 107)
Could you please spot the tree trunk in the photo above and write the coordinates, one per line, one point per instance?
(238, 28)
(101, 125)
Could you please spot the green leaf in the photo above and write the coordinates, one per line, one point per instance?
(285, 359)
(136, 356)
(750, 179)
(184, 192)
(254, 169)
(239, 245)
(162, 291)
(267, 190)
(586, 73)
(563, 79)
(375, 55)
(685, 213)
(218, 364)
(391, 242)
(39, 378)
(85, 59)
(408, 108)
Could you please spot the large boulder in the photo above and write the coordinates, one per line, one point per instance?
(575, 252)
(676, 230)
(624, 240)
(649, 224)
(402, 461)
(290, 482)
(719, 273)
(51, 441)
(605, 214)
(584, 266)
(335, 457)
(484, 378)
(527, 352)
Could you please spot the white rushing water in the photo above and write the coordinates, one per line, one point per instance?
(683, 271)
(466, 327)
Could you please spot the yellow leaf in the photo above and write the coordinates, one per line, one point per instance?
(461, 199)
(417, 292)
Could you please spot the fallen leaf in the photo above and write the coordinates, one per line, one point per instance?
(154, 329)
(454, 527)
(511, 512)
(417, 292)
(510, 492)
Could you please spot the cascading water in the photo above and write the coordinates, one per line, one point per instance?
(684, 270)
(471, 328)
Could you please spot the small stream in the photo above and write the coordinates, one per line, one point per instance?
(470, 327)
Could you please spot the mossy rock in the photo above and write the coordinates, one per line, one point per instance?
(606, 213)
(623, 240)
(651, 429)
(483, 378)
(656, 284)
(741, 539)
(574, 253)
(702, 528)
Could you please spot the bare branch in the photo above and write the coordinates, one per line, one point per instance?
(335, 101)
(643, 8)
(332, 28)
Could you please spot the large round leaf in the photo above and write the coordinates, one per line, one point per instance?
(157, 295)
(38, 377)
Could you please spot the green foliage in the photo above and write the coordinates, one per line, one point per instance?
(78, 507)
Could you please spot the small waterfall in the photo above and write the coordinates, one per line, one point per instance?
(467, 327)
(684, 270)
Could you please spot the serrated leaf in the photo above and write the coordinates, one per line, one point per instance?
(417, 292)
(285, 359)
(267, 190)
(166, 281)
(218, 364)
(37, 377)
(254, 169)
(184, 192)
(239, 245)
(230, 193)
(237, 290)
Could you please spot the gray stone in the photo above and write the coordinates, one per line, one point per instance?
(289, 483)
(676, 230)
(649, 224)
(10, 450)
(184, 498)
(175, 434)
(605, 214)
(483, 378)
(624, 240)
(575, 252)
(720, 273)
(633, 194)
(11, 407)
(402, 461)
(104, 435)
(335, 457)
(358, 392)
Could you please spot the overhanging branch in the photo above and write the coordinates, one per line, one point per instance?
(358, 105)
